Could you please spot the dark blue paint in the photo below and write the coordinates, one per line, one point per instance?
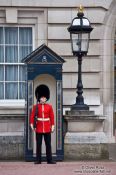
(35, 67)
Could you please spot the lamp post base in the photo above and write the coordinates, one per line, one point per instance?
(79, 107)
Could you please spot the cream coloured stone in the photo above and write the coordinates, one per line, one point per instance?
(108, 96)
(64, 48)
(97, 32)
(91, 97)
(90, 80)
(2, 13)
(107, 81)
(104, 3)
(59, 16)
(24, 3)
(42, 16)
(60, 3)
(12, 111)
(61, 48)
(66, 16)
(88, 65)
(39, 42)
(108, 31)
(108, 125)
(85, 137)
(15, 126)
(94, 15)
(49, 3)
(85, 126)
(108, 50)
(11, 15)
(2, 20)
(58, 32)
(3, 126)
(25, 21)
(61, 32)
(6, 3)
(98, 109)
(107, 63)
(94, 48)
(28, 13)
(12, 104)
(56, 3)
(42, 31)
(11, 134)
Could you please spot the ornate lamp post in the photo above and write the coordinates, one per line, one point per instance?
(80, 29)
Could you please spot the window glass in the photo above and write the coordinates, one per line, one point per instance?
(11, 90)
(24, 51)
(1, 54)
(21, 90)
(11, 54)
(11, 35)
(1, 90)
(25, 36)
(15, 44)
(22, 71)
(11, 73)
(1, 73)
(1, 35)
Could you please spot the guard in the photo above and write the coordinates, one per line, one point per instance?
(42, 116)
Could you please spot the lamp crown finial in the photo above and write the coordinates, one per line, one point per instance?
(81, 8)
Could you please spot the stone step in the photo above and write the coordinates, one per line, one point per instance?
(84, 117)
(112, 151)
(80, 112)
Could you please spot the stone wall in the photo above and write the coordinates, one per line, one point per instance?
(49, 20)
(12, 147)
(86, 152)
(12, 141)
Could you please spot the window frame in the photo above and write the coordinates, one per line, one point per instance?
(15, 102)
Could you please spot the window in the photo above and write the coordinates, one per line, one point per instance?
(15, 44)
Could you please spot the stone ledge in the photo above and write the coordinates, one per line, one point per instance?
(12, 116)
(86, 151)
(84, 118)
(85, 138)
(80, 112)
(84, 115)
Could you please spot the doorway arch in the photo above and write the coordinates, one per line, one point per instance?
(108, 70)
(50, 82)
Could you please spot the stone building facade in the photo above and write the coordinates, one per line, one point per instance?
(47, 22)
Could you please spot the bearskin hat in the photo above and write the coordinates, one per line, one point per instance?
(42, 90)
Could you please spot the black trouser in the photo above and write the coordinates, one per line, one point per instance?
(47, 139)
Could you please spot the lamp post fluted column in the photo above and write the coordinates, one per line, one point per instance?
(80, 29)
(79, 105)
(79, 98)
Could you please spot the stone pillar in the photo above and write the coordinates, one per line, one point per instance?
(85, 138)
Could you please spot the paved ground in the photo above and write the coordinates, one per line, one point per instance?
(61, 168)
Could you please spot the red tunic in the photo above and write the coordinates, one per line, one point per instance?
(45, 118)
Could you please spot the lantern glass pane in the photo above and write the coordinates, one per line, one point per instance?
(76, 22)
(85, 42)
(76, 42)
(86, 22)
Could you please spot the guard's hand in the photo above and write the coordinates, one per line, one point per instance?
(53, 127)
(31, 125)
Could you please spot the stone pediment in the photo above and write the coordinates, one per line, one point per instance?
(43, 55)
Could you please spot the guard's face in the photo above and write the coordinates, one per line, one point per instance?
(43, 99)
